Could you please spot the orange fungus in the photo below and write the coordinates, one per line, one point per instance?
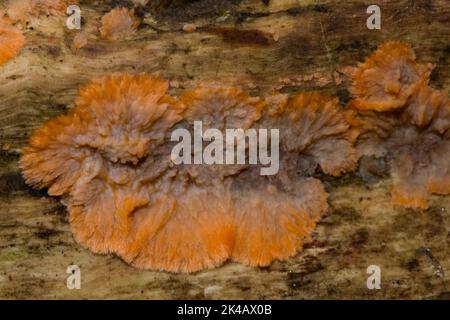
(401, 117)
(11, 41)
(110, 160)
(119, 23)
(22, 10)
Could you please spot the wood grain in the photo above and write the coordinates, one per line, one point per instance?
(283, 45)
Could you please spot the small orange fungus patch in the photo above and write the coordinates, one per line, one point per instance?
(11, 41)
(119, 23)
(22, 10)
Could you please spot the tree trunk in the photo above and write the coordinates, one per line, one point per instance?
(283, 45)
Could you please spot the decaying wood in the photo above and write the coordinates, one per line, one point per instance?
(262, 46)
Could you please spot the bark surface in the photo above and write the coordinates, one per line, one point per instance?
(262, 46)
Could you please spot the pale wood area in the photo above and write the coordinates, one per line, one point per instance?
(285, 45)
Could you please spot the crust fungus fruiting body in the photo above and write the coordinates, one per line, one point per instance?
(110, 160)
(318, 130)
(22, 10)
(11, 41)
(387, 78)
(119, 23)
(403, 118)
(275, 214)
(80, 40)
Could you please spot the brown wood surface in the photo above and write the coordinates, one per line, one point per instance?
(262, 46)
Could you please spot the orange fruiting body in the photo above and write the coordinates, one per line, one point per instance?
(11, 41)
(110, 161)
(80, 40)
(119, 23)
(402, 117)
(387, 78)
(22, 10)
